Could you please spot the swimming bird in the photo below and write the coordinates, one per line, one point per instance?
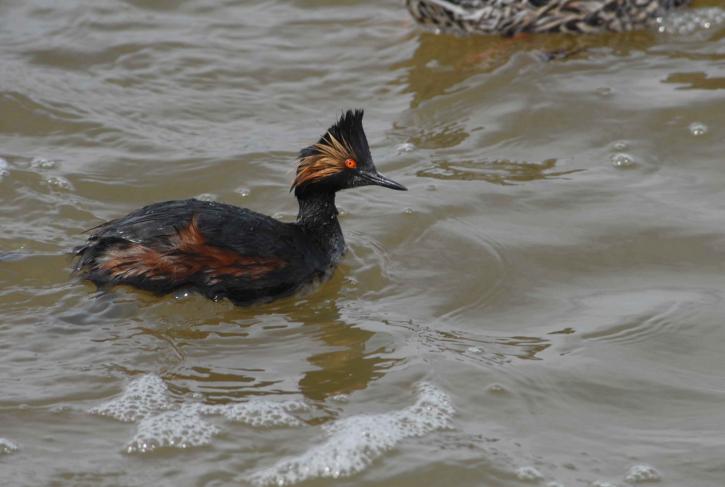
(510, 17)
(223, 251)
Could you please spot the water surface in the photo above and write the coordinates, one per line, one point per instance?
(543, 307)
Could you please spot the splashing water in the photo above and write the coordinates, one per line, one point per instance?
(354, 442)
(7, 446)
(141, 397)
(164, 424)
(642, 473)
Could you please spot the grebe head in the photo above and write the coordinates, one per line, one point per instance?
(340, 159)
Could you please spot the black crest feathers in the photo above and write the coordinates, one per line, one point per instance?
(349, 130)
(344, 140)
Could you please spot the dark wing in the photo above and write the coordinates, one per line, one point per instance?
(218, 249)
(158, 220)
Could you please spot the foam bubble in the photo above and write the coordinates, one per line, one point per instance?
(604, 91)
(354, 442)
(42, 163)
(182, 428)
(259, 413)
(207, 197)
(185, 427)
(698, 128)
(7, 446)
(642, 473)
(182, 294)
(4, 168)
(529, 474)
(622, 160)
(405, 147)
(142, 396)
(692, 21)
(602, 483)
(497, 389)
(163, 424)
(59, 182)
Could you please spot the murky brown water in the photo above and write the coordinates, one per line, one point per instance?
(545, 306)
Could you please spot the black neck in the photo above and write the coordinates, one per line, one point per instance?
(317, 209)
(318, 218)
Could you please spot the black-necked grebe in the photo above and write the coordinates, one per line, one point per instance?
(509, 17)
(221, 250)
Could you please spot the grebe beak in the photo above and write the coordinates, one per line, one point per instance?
(379, 180)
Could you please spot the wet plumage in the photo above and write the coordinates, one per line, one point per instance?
(509, 17)
(221, 250)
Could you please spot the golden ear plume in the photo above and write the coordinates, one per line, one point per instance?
(329, 159)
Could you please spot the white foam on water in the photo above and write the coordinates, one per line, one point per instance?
(258, 412)
(340, 398)
(42, 163)
(642, 473)
(692, 21)
(142, 396)
(185, 427)
(622, 160)
(182, 428)
(165, 424)
(206, 197)
(497, 389)
(528, 474)
(7, 446)
(698, 128)
(354, 442)
(59, 182)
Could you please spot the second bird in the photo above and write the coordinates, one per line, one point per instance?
(509, 17)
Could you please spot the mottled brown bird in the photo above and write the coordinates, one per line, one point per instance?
(510, 17)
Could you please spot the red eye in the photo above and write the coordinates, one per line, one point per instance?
(350, 163)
